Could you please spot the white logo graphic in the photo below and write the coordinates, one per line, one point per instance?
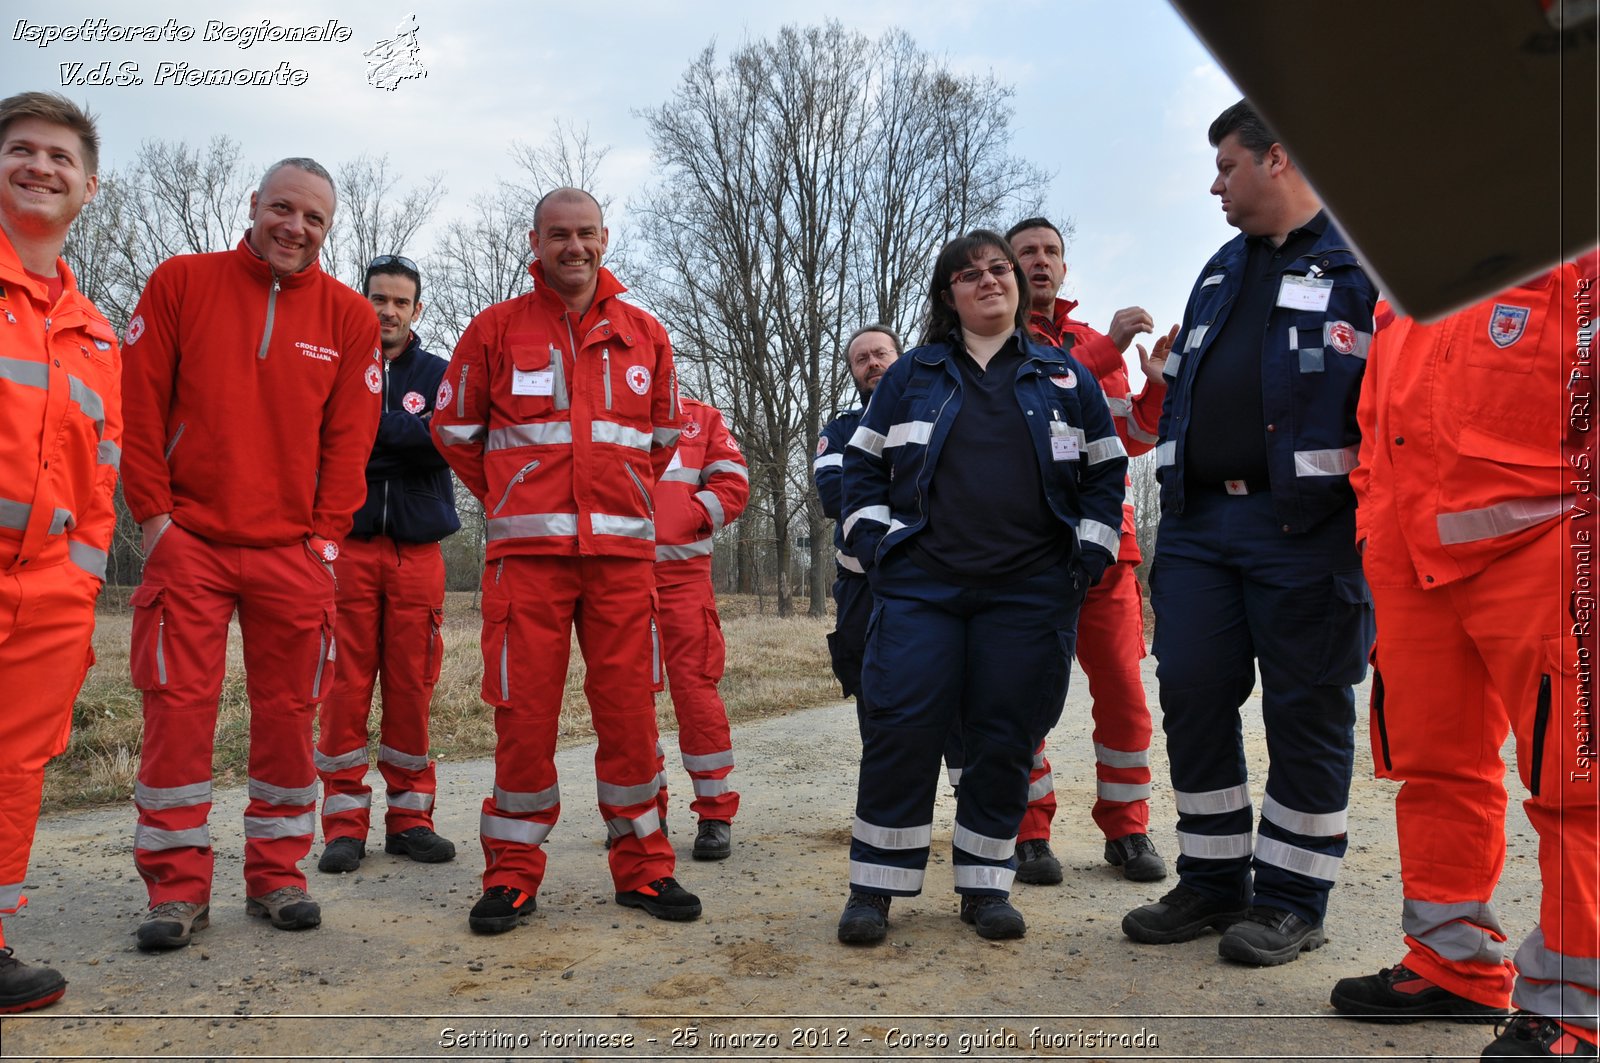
(135, 330)
(638, 378)
(1070, 380)
(444, 395)
(413, 402)
(374, 379)
(395, 60)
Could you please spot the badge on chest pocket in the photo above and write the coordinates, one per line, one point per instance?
(1063, 442)
(533, 382)
(1304, 293)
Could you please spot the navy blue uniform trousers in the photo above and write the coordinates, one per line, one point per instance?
(1231, 590)
(992, 660)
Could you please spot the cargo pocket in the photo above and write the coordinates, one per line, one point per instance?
(658, 674)
(1350, 630)
(496, 651)
(1380, 724)
(435, 645)
(1550, 683)
(716, 646)
(147, 660)
(322, 675)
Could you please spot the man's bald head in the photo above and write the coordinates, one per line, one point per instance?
(567, 195)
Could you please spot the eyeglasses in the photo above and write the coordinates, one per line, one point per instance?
(396, 260)
(973, 276)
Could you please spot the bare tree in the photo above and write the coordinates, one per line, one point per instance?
(372, 219)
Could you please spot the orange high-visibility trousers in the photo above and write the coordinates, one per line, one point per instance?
(693, 650)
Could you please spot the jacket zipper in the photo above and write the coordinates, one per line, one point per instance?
(1541, 721)
(558, 380)
(383, 518)
(322, 660)
(655, 653)
(648, 505)
(172, 444)
(161, 653)
(605, 363)
(272, 310)
(515, 480)
(461, 393)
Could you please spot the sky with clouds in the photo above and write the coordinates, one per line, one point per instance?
(1112, 96)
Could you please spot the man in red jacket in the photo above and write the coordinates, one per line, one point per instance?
(704, 489)
(560, 414)
(60, 442)
(1477, 519)
(1111, 625)
(251, 381)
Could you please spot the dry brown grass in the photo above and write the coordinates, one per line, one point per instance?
(774, 666)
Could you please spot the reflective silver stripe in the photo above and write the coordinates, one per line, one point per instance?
(713, 506)
(1174, 360)
(1503, 518)
(619, 435)
(1549, 983)
(708, 761)
(14, 514)
(11, 892)
(411, 799)
(1213, 802)
(153, 839)
(866, 439)
(848, 563)
(108, 453)
(1335, 462)
(981, 845)
(1363, 340)
(282, 795)
(1197, 336)
(684, 551)
(61, 520)
(1213, 280)
(155, 798)
(1166, 453)
(1467, 932)
(339, 762)
(884, 877)
(876, 514)
(87, 558)
(681, 475)
(525, 802)
(1139, 435)
(954, 775)
(1040, 787)
(1108, 449)
(630, 527)
(337, 803)
(734, 467)
(710, 787)
(28, 374)
(1311, 824)
(1101, 535)
(896, 524)
(919, 837)
(88, 400)
(532, 525)
(1038, 760)
(452, 435)
(979, 877)
(1119, 758)
(828, 461)
(918, 432)
(665, 437)
(408, 761)
(620, 796)
(529, 435)
(643, 825)
(1300, 861)
(1214, 846)
(1120, 407)
(512, 830)
(1122, 791)
(280, 826)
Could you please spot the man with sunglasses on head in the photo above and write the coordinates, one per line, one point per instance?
(391, 601)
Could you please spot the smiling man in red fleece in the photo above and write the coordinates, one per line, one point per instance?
(250, 385)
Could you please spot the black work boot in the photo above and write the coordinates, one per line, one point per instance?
(342, 855)
(23, 988)
(500, 909)
(866, 918)
(1136, 855)
(664, 898)
(1183, 914)
(714, 840)
(1036, 864)
(1399, 994)
(1268, 936)
(993, 917)
(1527, 1034)
(421, 844)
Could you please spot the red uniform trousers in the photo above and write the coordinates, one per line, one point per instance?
(694, 653)
(46, 621)
(391, 610)
(1459, 666)
(285, 599)
(530, 606)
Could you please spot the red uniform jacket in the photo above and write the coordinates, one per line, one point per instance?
(561, 425)
(61, 433)
(704, 489)
(252, 400)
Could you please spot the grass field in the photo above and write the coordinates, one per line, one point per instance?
(774, 666)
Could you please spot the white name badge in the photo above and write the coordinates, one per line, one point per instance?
(1064, 448)
(1304, 293)
(537, 382)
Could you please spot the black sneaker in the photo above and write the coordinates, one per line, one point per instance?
(1266, 937)
(170, 925)
(289, 908)
(23, 988)
(664, 899)
(421, 844)
(865, 920)
(1036, 864)
(500, 909)
(1527, 1034)
(1399, 994)
(714, 840)
(342, 855)
(993, 917)
(1182, 915)
(1136, 855)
